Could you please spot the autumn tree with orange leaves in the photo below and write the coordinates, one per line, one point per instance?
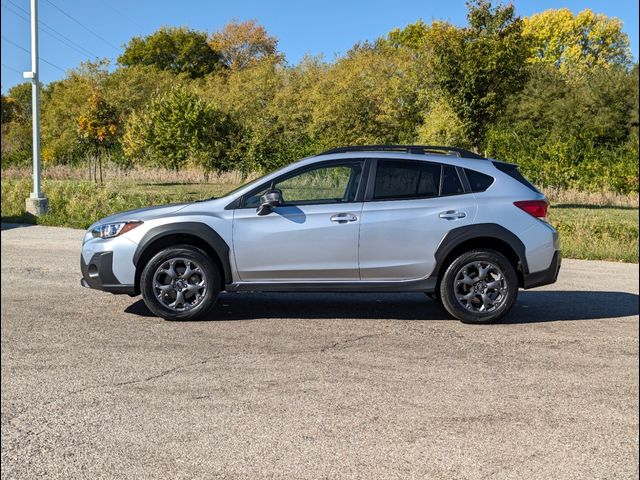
(243, 44)
(97, 129)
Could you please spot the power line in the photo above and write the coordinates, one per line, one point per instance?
(25, 50)
(55, 35)
(61, 36)
(81, 50)
(82, 25)
(123, 15)
(11, 68)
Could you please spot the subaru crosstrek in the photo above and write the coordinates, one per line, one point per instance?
(466, 230)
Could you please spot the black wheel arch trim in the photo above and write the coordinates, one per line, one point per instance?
(196, 229)
(457, 236)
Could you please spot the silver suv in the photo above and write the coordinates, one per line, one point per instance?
(466, 230)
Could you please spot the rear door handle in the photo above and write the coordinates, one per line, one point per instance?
(452, 215)
(343, 218)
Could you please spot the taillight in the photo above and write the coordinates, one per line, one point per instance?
(536, 208)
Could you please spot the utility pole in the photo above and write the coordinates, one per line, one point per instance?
(37, 203)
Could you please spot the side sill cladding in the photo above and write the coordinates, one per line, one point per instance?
(195, 229)
(459, 235)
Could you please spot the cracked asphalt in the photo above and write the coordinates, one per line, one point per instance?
(313, 386)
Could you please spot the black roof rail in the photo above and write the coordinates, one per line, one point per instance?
(412, 149)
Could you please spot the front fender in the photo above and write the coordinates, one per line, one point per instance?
(195, 229)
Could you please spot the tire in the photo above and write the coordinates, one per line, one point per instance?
(479, 286)
(172, 292)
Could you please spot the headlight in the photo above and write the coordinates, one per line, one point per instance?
(109, 230)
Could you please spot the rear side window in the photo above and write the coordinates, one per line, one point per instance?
(512, 170)
(451, 184)
(479, 182)
(402, 179)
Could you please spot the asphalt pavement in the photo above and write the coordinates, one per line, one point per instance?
(313, 386)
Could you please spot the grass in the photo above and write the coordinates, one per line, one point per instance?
(592, 226)
(597, 233)
(78, 204)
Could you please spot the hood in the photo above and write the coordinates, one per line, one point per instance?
(143, 214)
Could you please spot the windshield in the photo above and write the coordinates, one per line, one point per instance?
(251, 182)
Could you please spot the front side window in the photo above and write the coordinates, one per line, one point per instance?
(337, 183)
(400, 179)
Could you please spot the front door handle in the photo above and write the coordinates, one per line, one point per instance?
(343, 218)
(452, 215)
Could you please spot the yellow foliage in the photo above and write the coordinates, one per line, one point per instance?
(47, 156)
(442, 126)
(99, 123)
(573, 43)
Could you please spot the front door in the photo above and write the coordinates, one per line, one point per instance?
(312, 236)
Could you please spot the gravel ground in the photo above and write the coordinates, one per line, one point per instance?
(313, 385)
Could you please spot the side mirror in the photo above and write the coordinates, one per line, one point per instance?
(270, 199)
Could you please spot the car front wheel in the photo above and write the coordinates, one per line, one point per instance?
(180, 283)
(479, 286)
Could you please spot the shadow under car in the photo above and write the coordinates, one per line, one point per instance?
(531, 307)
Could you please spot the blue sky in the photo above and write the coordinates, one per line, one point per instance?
(330, 27)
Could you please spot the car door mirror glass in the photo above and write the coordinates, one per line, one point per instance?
(268, 201)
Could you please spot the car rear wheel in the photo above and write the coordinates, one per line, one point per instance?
(479, 286)
(180, 283)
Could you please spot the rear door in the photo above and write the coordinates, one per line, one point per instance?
(313, 236)
(410, 206)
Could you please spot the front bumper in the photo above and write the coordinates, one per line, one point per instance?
(98, 274)
(544, 277)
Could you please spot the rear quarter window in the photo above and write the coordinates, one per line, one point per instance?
(479, 182)
(512, 170)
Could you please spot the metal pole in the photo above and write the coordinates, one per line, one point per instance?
(37, 203)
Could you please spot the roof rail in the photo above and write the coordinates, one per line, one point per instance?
(412, 149)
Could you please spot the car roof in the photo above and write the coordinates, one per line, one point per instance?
(411, 149)
(426, 157)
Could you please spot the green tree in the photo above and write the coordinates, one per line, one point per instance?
(265, 138)
(177, 127)
(579, 132)
(414, 36)
(242, 44)
(16, 135)
(373, 95)
(480, 66)
(635, 102)
(9, 109)
(15, 144)
(600, 106)
(177, 49)
(576, 43)
(97, 128)
(129, 88)
(20, 95)
(62, 103)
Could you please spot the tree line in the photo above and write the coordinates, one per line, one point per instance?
(556, 92)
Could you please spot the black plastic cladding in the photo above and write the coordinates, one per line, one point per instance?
(197, 229)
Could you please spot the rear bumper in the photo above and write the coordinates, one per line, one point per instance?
(98, 274)
(544, 277)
